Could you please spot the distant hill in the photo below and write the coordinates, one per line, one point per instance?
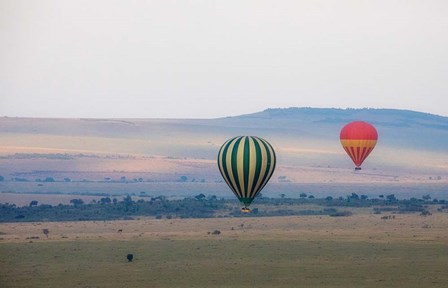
(400, 129)
(412, 150)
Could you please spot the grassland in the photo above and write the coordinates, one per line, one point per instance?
(358, 251)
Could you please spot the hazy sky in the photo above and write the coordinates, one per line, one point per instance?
(202, 59)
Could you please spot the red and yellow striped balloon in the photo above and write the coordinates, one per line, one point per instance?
(358, 139)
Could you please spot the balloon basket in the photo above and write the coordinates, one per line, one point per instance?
(245, 210)
(357, 168)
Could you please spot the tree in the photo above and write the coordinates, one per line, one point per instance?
(130, 257)
(329, 198)
(282, 196)
(67, 179)
(33, 203)
(77, 202)
(391, 198)
(128, 200)
(200, 197)
(302, 195)
(2, 178)
(49, 179)
(426, 197)
(105, 200)
(183, 178)
(46, 231)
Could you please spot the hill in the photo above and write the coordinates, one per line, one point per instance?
(151, 155)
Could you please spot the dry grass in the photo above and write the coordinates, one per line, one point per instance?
(357, 251)
(368, 228)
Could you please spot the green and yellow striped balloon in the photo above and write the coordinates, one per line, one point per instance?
(246, 164)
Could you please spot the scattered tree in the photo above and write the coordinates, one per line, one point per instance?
(33, 203)
(105, 200)
(130, 257)
(77, 202)
(200, 197)
(391, 198)
(46, 232)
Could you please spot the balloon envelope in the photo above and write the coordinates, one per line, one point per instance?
(246, 163)
(358, 139)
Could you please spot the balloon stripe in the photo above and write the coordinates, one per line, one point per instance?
(358, 153)
(223, 165)
(230, 166)
(274, 158)
(358, 142)
(363, 154)
(264, 168)
(350, 152)
(252, 165)
(271, 162)
(235, 161)
(246, 161)
(353, 153)
(240, 164)
(258, 165)
(268, 165)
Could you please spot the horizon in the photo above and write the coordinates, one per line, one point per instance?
(238, 115)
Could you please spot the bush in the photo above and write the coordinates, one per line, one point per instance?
(341, 214)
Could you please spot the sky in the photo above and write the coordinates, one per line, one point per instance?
(208, 59)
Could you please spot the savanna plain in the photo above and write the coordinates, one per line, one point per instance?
(363, 250)
(52, 161)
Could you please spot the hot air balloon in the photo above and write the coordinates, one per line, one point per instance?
(246, 163)
(358, 139)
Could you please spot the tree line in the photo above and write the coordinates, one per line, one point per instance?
(201, 206)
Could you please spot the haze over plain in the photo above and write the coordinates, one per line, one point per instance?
(409, 160)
